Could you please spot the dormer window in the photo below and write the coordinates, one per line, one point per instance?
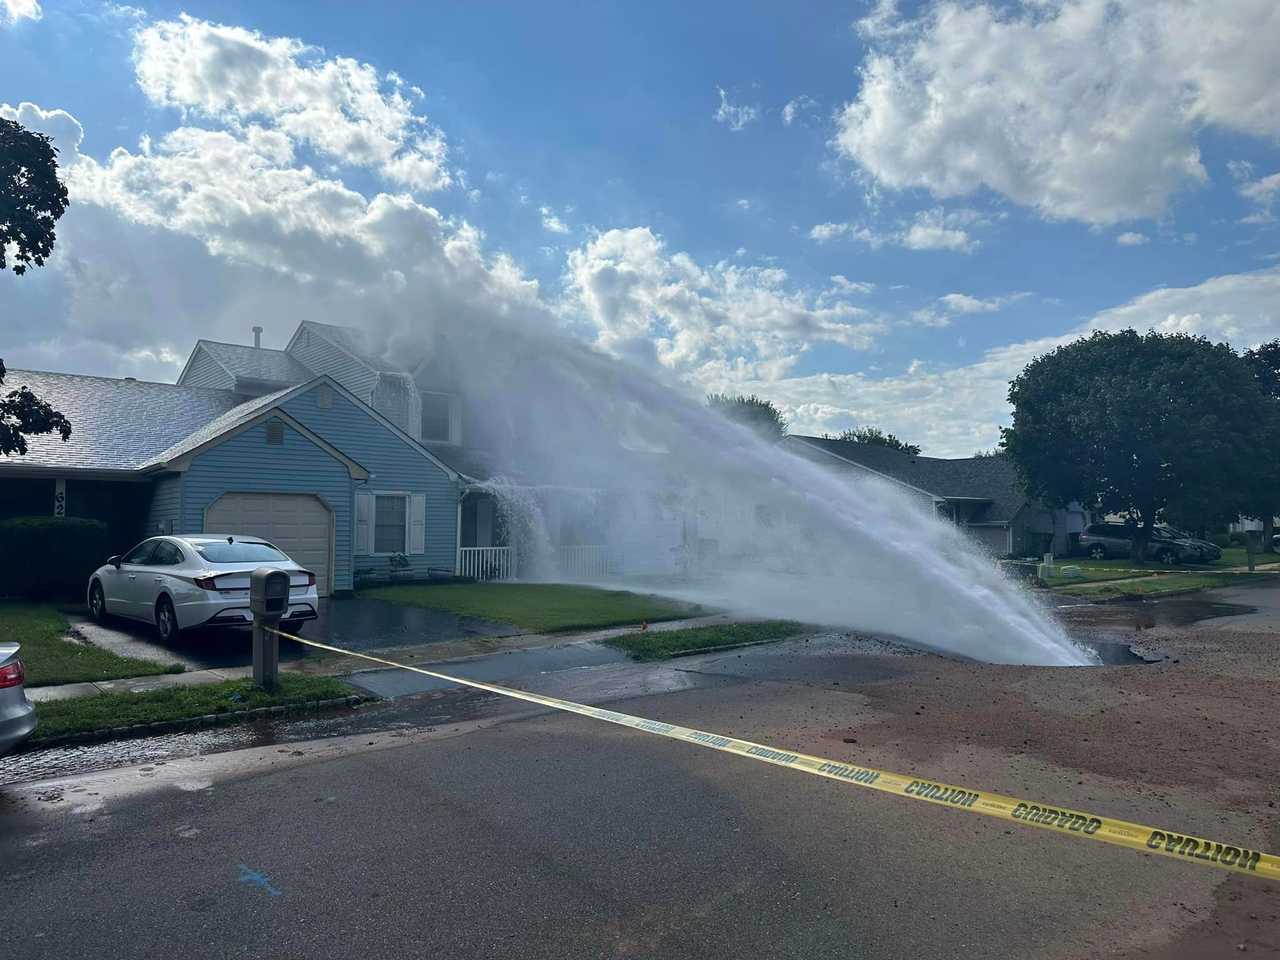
(440, 418)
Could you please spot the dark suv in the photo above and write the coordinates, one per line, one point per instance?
(1103, 540)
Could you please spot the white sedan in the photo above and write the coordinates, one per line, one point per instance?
(182, 582)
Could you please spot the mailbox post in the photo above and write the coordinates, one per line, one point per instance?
(268, 602)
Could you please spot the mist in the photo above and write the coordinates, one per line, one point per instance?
(568, 428)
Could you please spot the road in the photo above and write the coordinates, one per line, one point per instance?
(519, 833)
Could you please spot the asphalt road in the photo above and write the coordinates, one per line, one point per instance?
(526, 834)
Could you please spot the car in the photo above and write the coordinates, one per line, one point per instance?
(180, 582)
(17, 713)
(1209, 551)
(1103, 540)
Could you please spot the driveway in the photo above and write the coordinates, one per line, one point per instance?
(351, 622)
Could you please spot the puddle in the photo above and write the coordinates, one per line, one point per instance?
(1113, 653)
(1147, 614)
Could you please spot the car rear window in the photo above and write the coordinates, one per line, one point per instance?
(238, 551)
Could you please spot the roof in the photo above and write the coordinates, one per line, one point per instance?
(965, 478)
(218, 426)
(354, 341)
(116, 425)
(256, 363)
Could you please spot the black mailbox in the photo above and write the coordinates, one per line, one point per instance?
(269, 593)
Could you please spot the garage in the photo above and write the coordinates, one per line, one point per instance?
(299, 524)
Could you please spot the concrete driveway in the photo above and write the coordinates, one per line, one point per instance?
(352, 622)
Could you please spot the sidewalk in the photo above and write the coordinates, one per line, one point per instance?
(192, 678)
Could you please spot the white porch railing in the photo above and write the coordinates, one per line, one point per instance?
(587, 562)
(487, 563)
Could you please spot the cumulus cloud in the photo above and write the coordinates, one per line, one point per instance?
(1080, 109)
(1263, 192)
(947, 307)
(643, 301)
(934, 229)
(734, 116)
(11, 11)
(65, 129)
(795, 109)
(1131, 239)
(552, 223)
(343, 109)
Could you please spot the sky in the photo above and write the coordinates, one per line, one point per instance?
(866, 212)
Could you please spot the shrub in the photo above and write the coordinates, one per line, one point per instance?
(1237, 539)
(1220, 539)
(49, 558)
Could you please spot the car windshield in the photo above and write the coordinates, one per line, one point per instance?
(237, 551)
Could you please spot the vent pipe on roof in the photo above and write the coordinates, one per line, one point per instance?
(257, 336)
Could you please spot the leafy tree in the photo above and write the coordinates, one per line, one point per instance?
(23, 414)
(753, 412)
(1133, 424)
(875, 437)
(32, 198)
(1263, 497)
(986, 454)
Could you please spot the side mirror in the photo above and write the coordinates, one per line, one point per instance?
(114, 561)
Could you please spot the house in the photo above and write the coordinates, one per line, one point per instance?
(980, 494)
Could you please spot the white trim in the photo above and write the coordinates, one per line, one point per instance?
(454, 416)
(405, 495)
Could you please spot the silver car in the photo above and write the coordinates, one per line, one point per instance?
(182, 582)
(17, 713)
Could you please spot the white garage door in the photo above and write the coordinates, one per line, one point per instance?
(297, 523)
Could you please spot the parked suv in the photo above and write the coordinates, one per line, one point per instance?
(1103, 540)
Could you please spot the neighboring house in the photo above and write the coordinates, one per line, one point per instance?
(980, 494)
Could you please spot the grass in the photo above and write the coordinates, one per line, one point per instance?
(1151, 586)
(1239, 557)
(538, 607)
(50, 658)
(81, 714)
(661, 644)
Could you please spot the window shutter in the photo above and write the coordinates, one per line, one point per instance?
(364, 526)
(417, 523)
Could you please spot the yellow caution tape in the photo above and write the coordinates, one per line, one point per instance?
(1071, 823)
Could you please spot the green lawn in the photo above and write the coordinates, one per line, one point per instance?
(1151, 586)
(49, 658)
(1238, 557)
(661, 644)
(539, 607)
(108, 710)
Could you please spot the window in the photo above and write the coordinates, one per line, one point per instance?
(437, 418)
(275, 431)
(141, 553)
(390, 513)
(237, 551)
(167, 554)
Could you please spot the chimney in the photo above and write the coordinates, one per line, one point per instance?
(257, 336)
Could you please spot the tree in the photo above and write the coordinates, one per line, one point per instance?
(988, 454)
(32, 198)
(875, 437)
(1263, 498)
(753, 412)
(23, 414)
(1132, 424)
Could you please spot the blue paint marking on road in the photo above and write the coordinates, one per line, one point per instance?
(256, 879)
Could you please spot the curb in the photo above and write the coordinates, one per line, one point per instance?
(136, 730)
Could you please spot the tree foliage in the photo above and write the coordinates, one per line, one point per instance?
(1137, 425)
(23, 414)
(753, 412)
(875, 437)
(1263, 491)
(32, 198)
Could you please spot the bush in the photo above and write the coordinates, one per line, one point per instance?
(1220, 539)
(1237, 539)
(49, 558)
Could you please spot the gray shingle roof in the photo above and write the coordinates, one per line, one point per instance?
(257, 363)
(987, 478)
(218, 426)
(356, 342)
(115, 424)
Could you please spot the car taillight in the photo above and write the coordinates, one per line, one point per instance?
(11, 674)
(205, 583)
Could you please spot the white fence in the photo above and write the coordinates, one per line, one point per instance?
(588, 562)
(487, 563)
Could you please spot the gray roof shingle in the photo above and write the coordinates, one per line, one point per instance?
(257, 363)
(356, 342)
(979, 478)
(218, 426)
(115, 424)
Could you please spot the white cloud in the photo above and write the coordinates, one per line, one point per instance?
(11, 11)
(795, 109)
(65, 129)
(646, 302)
(1264, 192)
(951, 305)
(742, 204)
(1081, 109)
(842, 284)
(552, 223)
(1131, 239)
(734, 116)
(934, 229)
(343, 109)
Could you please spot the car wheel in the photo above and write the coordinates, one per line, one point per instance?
(166, 619)
(291, 626)
(1098, 552)
(98, 603)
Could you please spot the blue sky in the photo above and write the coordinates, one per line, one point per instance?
(870, 212)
